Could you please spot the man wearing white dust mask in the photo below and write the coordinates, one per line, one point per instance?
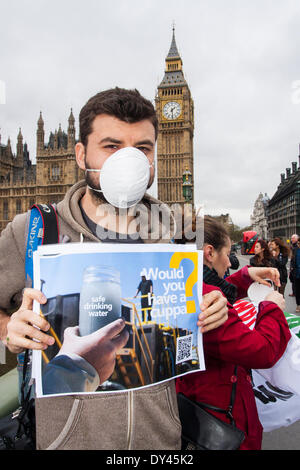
(112, 123)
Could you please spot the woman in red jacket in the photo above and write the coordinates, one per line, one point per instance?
(233, 343)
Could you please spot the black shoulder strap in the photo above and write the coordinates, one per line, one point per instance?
(42, 230)
(228, 412)
(50, 223)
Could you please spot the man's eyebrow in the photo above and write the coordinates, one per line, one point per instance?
(110, 139)
(117, 141)
(145, 142)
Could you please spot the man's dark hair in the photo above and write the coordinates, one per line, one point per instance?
(127, 105)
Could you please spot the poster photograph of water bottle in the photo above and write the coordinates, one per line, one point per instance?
(122, 316)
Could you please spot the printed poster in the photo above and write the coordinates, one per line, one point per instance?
(156, 289)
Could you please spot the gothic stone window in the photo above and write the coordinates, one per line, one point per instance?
(5, 210)
(18, 206)
(55, 172)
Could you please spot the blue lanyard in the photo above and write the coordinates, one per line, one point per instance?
(34, 239)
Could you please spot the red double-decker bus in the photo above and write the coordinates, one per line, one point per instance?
(248, 243)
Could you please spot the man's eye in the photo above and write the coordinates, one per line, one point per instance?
(111, 146)
(144, 149)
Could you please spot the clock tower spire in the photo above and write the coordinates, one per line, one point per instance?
(175, 112)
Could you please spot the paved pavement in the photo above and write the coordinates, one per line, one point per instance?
(286, 438)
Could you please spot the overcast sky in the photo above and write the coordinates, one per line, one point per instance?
(240, 59)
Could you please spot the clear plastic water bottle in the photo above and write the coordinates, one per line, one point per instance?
(100, 298)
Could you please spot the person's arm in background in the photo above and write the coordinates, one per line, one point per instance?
(293, 257)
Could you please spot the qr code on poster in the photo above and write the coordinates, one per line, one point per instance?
(184, 348)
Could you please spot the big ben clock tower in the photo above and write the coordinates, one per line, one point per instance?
(175, 112)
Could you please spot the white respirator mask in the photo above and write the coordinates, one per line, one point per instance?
(124, 177)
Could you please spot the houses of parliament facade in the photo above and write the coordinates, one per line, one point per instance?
(23, 183)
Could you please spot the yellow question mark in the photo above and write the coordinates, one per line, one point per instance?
(191, 280)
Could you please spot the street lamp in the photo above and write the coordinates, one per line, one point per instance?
(187, 186)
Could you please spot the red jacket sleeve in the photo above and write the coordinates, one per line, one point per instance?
(260, 348)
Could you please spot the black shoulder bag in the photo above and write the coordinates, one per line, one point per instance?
(17, 430)
(202, 430)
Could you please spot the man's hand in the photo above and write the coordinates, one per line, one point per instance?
(21, 334)
(261, 274)
(214, 311)
(277, 298)
(98, 348)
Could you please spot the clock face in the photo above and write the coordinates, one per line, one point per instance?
(172, 110)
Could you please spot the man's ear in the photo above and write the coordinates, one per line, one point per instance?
(80, 155)
(208, 253)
